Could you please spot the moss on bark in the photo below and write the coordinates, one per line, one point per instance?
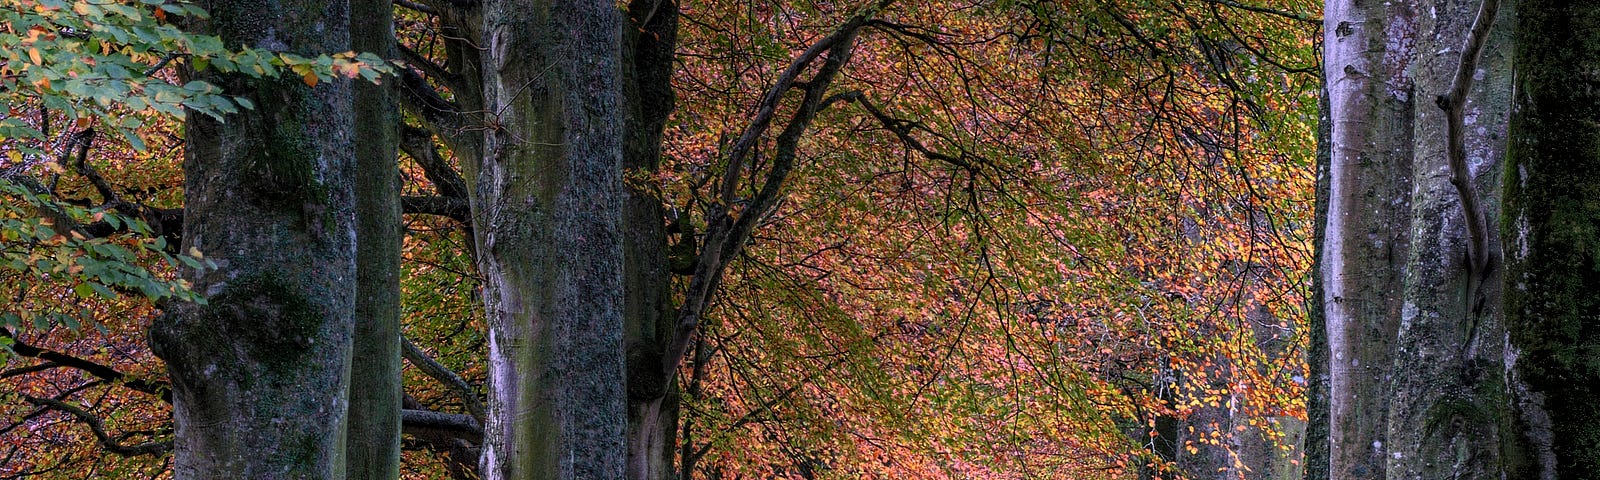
(1553, 200)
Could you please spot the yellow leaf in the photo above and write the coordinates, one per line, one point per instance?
(33, 54)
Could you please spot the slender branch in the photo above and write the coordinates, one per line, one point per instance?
(725, 236)
(418, 144)
(165, 59)
(98, 427)
(769, 102)
(416, 6)
(444, 375)
(1299, 17)
(1454, 104)
(428, 67)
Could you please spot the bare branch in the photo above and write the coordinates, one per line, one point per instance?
(460, 426)
(416, 7)
(99, 429)
(455, 208)
(726, 236)
(444, 375)
(97, 370)
(1454, 104)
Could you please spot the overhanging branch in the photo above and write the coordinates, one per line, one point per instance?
(98, 427)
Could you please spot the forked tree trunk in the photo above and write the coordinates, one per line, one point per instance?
(259, 373)
(547, 207)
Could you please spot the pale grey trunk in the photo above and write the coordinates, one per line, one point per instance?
(1368, 47)
(374, 435)
(547, 204)
(1410, 394)
(259, 374)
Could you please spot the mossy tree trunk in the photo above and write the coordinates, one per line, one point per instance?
(650, 47)
(259, 373)
(1552, 233)
(374, 435)
(547, 206)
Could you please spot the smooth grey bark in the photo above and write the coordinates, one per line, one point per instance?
(1368, 208)
(374, 434)
(1552, 232)
(259, 373)
(547, 206)
(1416, 384)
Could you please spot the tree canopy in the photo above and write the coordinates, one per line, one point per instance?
(982, 239)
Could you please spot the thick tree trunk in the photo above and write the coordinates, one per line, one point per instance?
(1448, 390)
(259, 373)
(374, 436)
(1368, 205)
(1552, 231)
(1415, 380)
(547, 204)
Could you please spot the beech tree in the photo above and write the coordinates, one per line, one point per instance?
(1454, 242)
(259, 372)
(940, 138)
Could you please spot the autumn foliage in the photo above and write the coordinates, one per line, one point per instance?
(1024, 240)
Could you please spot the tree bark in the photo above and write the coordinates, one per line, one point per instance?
(547, 204)
(1365, 243)
(650, 49)
(374, 435)
(1552, 230)
(1414, 360)
(259, 373)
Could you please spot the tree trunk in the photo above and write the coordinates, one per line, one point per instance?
(1552, 230)
(1415, 382)
(374, 436)
(259, 373)
(1365, 243)
(648, 67)
(547, 204)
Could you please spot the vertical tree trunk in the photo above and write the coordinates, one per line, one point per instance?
(1552, 231)
(1368, 46)
(1315, 444)
(259, 373)
(650, 48)
(547, 202)
(1448, 377)
(1415, 376)
(374, 436)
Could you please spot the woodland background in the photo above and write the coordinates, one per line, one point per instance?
(1009, 239)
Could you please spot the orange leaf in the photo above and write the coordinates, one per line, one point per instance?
(310, 78)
